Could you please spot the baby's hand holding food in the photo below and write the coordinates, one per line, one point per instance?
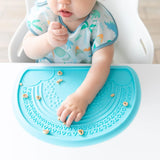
(57, 34)
(74, 107)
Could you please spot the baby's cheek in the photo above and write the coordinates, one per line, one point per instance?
(55, 11)
(82, 12)
(53, 6)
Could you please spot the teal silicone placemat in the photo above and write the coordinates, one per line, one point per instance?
(111, 111)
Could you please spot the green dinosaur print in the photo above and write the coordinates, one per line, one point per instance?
(95, 14)
(33, 24)
(91, 27)
(94, 46)
(85, 25)
(59, 52)
(109, 41)
(97, 42)
(78, 37)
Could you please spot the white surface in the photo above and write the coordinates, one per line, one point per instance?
(141, 140)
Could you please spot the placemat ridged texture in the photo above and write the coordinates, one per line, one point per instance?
(105, 117)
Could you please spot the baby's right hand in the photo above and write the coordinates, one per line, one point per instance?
(57, 34)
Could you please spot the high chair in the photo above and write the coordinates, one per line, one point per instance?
(134, 44)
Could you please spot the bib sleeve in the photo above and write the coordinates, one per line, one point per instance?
(105, 31)
(39, 18)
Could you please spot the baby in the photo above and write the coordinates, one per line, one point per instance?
(73, 31)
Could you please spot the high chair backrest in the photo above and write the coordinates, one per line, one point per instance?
(29, 4)
(134, 44)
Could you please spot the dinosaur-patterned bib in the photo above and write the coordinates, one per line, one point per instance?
(97, 31)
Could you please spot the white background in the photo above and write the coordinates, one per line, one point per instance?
(141, 140)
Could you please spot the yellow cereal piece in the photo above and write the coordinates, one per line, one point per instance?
(59, 118)
(38, 97)
(112, 95)
(25, 95)
(64, 123)
(60, 73)
(45, 131)
(59, 81)
(81, 131)
(20, 84)
(125, 104)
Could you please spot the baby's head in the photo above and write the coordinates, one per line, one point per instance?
(72, 10)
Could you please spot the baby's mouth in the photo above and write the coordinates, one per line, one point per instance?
(65, 13)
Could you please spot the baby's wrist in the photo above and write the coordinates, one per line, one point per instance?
(83, 96)
(50, 45)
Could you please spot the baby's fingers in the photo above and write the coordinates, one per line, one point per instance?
(70, 119)
(78, 117)
(55, 25)
(64, 115)
(62, 31)
(60, 37)
(60, 110)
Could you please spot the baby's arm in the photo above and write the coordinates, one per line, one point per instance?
(98, 73)
(76, 104)
(37, 47)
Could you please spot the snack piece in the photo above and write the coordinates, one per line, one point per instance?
(125, 104)
(60, 73)
(38, 97)
(81, 131)
(59, 118)
(45, 131)
(25, 95)
(20, 84)
(60, 80)
(112, 95)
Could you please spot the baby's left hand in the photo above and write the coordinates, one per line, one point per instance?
(74, 107)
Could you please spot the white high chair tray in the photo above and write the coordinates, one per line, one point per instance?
(139, 141)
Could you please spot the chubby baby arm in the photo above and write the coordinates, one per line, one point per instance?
(76, 104)
(37, 47)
